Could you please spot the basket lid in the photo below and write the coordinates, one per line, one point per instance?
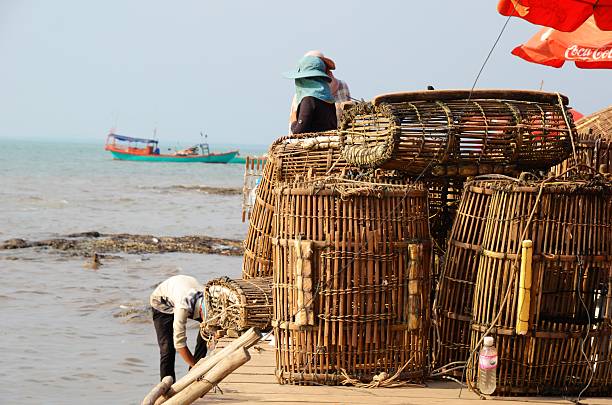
(493, 94)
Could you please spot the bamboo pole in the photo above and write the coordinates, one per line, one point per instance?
(221, 370)
(248, 339)
(414, 271)
(159, 390)
(303, 251)
(524, 297)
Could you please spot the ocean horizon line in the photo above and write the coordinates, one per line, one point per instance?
(101, 141)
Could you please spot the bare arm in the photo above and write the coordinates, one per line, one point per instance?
(180, 335)
(186, 355)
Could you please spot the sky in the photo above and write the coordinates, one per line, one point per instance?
(73, 69)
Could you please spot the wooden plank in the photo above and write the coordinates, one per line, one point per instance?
(255, 383)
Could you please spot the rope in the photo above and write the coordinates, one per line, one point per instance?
(569, 128)
(380, 380)
(585, 338)
(488, 56)
(260, 289)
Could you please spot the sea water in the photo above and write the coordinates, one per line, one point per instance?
(73, 335)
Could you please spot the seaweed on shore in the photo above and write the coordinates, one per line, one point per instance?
(83, 244)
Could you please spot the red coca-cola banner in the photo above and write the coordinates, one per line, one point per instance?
(577, 52)
(588, 47)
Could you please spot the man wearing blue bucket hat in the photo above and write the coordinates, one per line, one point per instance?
(316, 110)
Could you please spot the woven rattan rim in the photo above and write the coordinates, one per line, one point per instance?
(444, 95)
(364, 156)
(594, 185)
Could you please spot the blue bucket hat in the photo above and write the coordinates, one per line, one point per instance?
(308, 66)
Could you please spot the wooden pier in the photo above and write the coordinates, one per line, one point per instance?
(255, 383)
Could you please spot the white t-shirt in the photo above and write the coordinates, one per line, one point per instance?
(177, 295)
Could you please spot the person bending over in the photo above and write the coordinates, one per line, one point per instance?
(173, 302)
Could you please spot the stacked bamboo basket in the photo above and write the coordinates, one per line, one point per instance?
(557, 340)
(445, 136)
(351, 282)
(350, 257)
(344, 220)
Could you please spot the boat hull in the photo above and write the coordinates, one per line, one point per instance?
(212, 158)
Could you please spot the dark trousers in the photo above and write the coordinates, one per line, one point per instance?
(167, 352)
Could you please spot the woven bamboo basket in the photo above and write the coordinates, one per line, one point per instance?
(236, 305)
(351, 282)
(453, 302)
(458, 133)
(565, 341)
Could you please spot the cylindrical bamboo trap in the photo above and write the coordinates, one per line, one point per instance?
(351, 282)
(565, 344)
(459, 133)
(453, 302)
(237, 305)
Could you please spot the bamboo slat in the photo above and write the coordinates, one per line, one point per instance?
(358, 260)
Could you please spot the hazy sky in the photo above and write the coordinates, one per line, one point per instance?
(74, 69)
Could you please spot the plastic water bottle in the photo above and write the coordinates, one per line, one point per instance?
(487, 367)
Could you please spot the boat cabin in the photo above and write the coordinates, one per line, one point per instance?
(133, 146)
